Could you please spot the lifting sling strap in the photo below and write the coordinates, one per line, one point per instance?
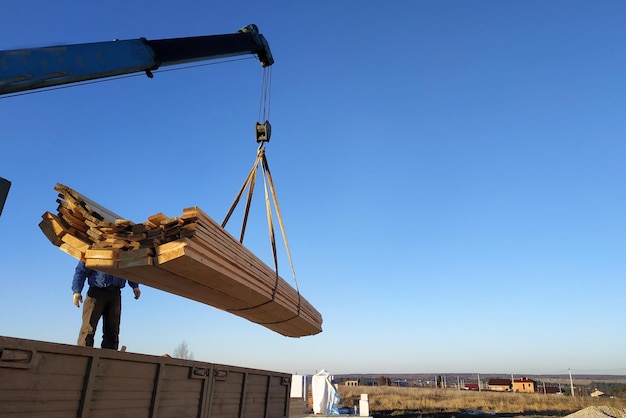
(270, 192)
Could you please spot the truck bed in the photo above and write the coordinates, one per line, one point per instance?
(43, 379)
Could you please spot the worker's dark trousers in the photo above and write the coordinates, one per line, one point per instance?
(105, 303)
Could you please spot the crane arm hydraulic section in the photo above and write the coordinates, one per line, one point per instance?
(35, 68)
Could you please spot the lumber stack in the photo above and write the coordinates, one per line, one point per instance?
(190, 256)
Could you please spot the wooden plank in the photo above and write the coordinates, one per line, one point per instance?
(52, 229)
(200, 264)
(73, 195)
(186, 264)
(73, 251)
(106, 254)
(138, 253)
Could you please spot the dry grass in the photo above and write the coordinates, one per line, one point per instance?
(399, 401)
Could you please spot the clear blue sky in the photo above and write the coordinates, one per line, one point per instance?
(451, 176)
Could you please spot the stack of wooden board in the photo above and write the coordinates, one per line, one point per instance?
(190, 256)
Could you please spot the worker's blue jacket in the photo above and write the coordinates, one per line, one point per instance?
(96, 279)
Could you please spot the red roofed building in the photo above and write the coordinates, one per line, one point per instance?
(499, 385)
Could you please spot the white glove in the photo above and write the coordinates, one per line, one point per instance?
(78, 298)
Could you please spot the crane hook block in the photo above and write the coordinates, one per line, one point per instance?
(263, 131)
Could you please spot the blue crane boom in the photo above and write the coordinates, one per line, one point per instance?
(35, 68)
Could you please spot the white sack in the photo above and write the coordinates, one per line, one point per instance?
(325, 396)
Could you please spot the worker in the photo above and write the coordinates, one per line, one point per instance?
(104, 299)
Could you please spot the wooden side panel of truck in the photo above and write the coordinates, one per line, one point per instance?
(42, 379)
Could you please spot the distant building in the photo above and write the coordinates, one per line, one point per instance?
(471, 386)
(524, 385)
(552, 390)
(351, 383)
(499, 385)
(597, 393)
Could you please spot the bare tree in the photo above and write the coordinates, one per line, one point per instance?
(182, 351)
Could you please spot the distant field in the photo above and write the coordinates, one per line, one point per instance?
(390, 401)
